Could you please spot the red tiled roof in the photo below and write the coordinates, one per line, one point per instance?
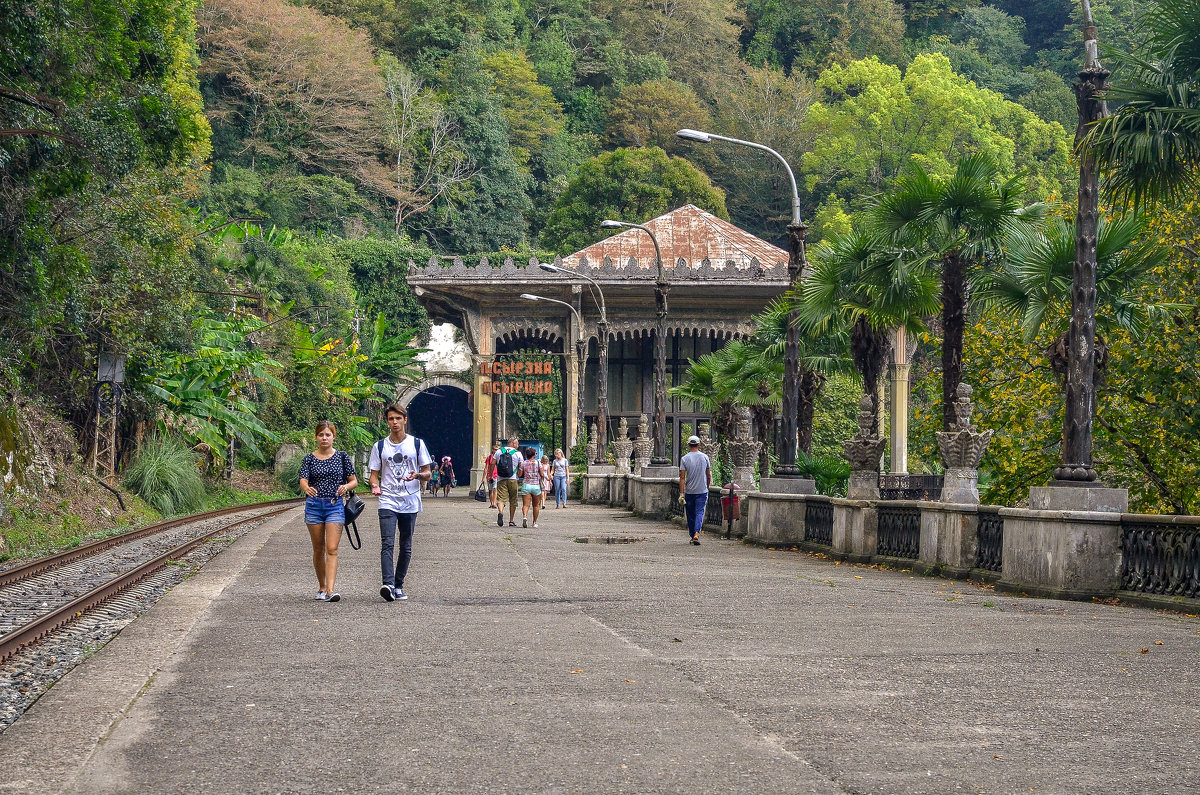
(688, 233)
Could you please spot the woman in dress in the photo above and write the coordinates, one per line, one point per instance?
(326, 476)
(545, 466)
(447, 475)
(530, 474)
(560, 470)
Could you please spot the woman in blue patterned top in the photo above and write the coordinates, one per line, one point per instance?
(326, 476)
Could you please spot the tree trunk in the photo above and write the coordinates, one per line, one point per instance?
(870, 349)
(954, 311)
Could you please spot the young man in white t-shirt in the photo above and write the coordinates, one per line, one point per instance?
(397, 477)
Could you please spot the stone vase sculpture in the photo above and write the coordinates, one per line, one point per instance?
(864, 451)
(592, 446)
(706, 441)
(743, 449)
(643, 445)
(622, 447)
(961, 449)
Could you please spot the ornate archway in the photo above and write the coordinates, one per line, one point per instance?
(409, 392)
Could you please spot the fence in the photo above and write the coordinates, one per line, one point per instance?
(1160, 557)
(910, 487)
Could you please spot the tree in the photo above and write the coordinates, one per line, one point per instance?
(533, 114)
(872, 122)
(807, 37)
(630, 184)
(430, 162)
(963, 222)
(1149, 149)
(275, 101)
(648, 114)
(862, 284)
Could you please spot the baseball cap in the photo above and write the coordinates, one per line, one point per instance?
(693, 440)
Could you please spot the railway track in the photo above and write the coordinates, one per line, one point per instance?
(43, 596)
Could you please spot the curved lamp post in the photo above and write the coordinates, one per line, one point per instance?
(602, 376)
(661, 288)
(797, 231)
(580, 356)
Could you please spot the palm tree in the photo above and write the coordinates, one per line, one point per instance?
(962, 221)
(1149, 149)
(820, 356)
(1034, 281)
(862, 284)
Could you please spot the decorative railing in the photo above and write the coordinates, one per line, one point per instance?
(989, 536)
(910, 487)
(899, 531)
(1160, 557)
(818, 521)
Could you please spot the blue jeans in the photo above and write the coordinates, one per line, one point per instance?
(391, 525)
(560, 489)
(694, 505)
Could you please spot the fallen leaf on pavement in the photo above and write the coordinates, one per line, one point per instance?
(577, 671)
(1144, 651)
(631, 681)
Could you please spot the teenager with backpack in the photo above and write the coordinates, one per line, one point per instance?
(400, 466)
(508, 485)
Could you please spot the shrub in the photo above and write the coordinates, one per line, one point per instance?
(289, 475)
(166, 475)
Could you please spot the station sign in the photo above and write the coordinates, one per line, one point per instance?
(513, 377)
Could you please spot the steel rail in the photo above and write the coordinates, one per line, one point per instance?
(39, 628)
(34, 567)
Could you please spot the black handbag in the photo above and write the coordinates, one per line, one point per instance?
(354, 508)
(481, 492)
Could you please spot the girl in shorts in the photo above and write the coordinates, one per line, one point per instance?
(326, 476)
(530, 474)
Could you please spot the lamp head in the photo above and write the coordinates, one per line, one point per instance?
(546, 266)
(694, 135)
(608, 223)
(531, 297)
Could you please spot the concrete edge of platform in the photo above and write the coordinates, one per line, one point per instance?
(53, 741)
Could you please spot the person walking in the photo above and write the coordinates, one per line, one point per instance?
(433, 482)
(560, 470)
(400, 465)
(508, 485)
(695, 478)
(531, 487)
(489, 474)
(326, 476)
(446, 477)
(545, 467)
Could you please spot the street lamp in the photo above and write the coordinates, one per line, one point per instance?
(602, 385)
(580, 356)
(797, 231)
(661, 288)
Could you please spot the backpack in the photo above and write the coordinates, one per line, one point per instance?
(416, 446)
(504, 463)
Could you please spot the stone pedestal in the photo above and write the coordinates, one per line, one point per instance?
(774, 518)
(653, 496)
(1061, 554)
(595, 483)
(660, 472)
(864, 485)
(1079, 498)
(786, 485)
(743, 478)
(960, 485)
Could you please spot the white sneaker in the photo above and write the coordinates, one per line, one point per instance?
(535, 524)
(524, 522)
(320, 597)
(334, 597)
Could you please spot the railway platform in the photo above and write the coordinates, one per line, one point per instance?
(527, 661)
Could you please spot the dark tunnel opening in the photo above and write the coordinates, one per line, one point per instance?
(440, 416)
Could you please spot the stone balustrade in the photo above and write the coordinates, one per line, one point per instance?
(1066, 554)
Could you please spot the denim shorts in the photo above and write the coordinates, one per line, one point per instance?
(528, 488)
(324, 510)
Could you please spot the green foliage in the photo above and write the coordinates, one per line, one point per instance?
(810, 36)
(831, 473)
(166, 474)
(288, 476)
(630, 184)
(648, 114)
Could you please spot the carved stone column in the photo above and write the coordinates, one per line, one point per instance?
(706, 441)
(863, 451)
(643, 445)
(961, 449)
(622, 447)
(743, 449)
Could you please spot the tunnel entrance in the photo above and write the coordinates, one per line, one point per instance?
(440, 416)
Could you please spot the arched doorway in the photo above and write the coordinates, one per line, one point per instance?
(440, 415)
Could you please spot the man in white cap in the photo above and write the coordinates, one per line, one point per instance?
(695, 478)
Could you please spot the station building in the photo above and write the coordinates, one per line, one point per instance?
(718, 275)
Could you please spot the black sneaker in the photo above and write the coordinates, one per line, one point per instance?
(334, 597)
(499, 518)
(386, 592)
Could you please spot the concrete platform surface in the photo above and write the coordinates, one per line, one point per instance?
(527, 662)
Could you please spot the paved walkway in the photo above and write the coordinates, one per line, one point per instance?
(528, 662)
